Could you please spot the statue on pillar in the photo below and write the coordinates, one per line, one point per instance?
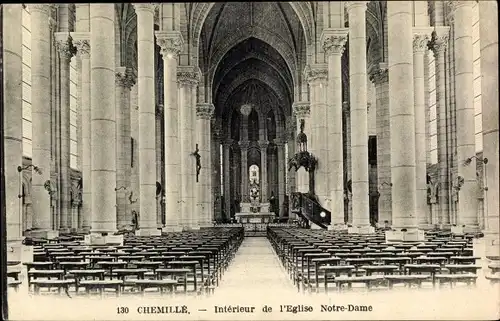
(272, 202)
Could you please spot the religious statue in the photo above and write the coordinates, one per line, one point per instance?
(272, 202)
(135, 220)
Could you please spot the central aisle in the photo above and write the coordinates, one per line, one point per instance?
(255, 268)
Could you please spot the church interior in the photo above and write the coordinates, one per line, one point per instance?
(329, 144)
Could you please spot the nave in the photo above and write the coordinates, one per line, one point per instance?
(219, 267)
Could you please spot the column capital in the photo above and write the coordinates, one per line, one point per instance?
(227, 142)
(39, 7)
(170, 42)
(420, 42)
(380, 75)
(316, 73)
(278, 142)
(124, 77)
(145, 7)
(188, 75)
(81, 40)
(333, 40)
(356, 4)
(302, 109)
(64, 45)
(263, 144)
(205, 111)
(439, 39)
(244, 144)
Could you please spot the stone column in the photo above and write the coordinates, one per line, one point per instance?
(124, 82)
(280, 145)
(204, 113)
(147, 141)
(488, 16)
(81, 40)
(464, 98)
(103, 118)
(41, 105)
(13, 126)
(438, 44)
(359, 122)
(333, 41)
(380, 77)
(171, 43)
(421, 37)
(263, 171)
(244, 170)
(402, 114)
(65, 49)
(187, 79)
(348, 168)
(302, 111)
(226, 146)
(317, 145)
(134, 200)
(291, 132)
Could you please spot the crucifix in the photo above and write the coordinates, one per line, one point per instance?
(198, 162)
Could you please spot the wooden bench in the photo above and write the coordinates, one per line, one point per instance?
(495, 268)
(101, 285)
(408, 280)
(14, 284)
(167, 284)
(462, 268)
(59, 284)
(369, 281)
(35, 274)
(385, 269)
(494, 278)
(452, 279)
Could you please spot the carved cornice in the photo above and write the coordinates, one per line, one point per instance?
(205, 111)
(333, 41)
(380, 75)
(301, 109)
(170, 42)
(188, 76)
(439, 40)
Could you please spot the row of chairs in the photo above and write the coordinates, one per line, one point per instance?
(336, 258)
(174, 263)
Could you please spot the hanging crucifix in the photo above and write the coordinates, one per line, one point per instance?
(198, 162)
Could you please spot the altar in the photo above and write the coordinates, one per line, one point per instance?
(254, 215)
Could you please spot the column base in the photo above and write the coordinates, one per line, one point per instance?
(148, 232)
(168, 228)
(15, 254)
(337, 227)
(95, 238)
(412, 235)
(465, 229)
(44, 234)
(361, 230)
(492, 246)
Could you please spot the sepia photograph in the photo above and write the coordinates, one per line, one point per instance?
(288, 160)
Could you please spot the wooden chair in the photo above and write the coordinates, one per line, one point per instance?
(102, 285)
(369, 281)
(408, 280)
(59, 284)
(164, 284)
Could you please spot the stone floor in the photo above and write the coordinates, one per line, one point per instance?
(257, 279)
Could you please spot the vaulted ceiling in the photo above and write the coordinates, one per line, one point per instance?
(243, 41)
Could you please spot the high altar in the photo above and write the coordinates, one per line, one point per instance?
(253, 210)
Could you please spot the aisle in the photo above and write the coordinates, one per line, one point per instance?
(255, 268)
